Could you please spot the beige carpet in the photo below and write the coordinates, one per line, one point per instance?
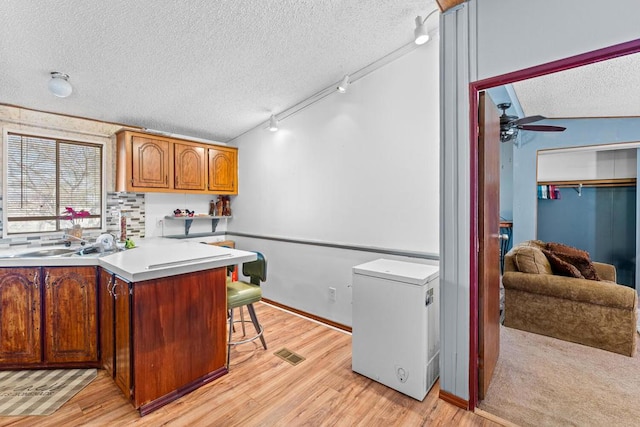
(542, 381)
(40, 392)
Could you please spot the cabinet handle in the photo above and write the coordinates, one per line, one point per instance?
(46, 280)
(109, 286)
(113, 288)
(35, 279)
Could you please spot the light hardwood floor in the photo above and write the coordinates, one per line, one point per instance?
(264, 390)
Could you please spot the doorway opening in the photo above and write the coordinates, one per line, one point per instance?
(476, 325)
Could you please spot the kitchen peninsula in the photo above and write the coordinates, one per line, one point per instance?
(161, 308)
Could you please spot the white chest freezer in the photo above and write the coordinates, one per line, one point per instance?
(396, 324)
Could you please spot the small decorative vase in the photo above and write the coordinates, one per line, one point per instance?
(75, 231)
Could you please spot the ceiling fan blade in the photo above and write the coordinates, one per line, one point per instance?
(542, 128)
(529, 119)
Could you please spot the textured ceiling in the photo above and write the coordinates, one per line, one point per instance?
(208, 69)
(603, 89)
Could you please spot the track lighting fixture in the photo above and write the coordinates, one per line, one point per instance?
(421, 34)
(59, 84)
(273, 123)
(344, 84)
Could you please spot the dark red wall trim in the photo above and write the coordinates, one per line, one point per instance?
(603, 54)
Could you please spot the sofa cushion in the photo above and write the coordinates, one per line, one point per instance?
(576, 257)
(562, 267)
(565, 249)
(530, 259)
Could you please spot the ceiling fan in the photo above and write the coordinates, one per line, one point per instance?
(510, 125)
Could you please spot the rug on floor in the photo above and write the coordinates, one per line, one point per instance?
(40, 392)
(542, 381)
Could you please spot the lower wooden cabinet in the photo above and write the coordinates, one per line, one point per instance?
(70, 324)
(164, 337)
(115, 329)
(159, 339)
(20, 302)
(48, 317)
(122, 318)
(107, 325)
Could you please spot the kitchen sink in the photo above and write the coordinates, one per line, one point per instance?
(40, 253)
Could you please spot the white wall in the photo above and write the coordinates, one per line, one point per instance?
(484, 39)
(519, 34)
(359, 168)
(585, 164)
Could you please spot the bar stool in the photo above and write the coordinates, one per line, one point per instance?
(240, 294)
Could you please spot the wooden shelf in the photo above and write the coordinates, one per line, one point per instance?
(188, 220)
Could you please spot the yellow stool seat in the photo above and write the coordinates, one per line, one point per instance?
(242, 293)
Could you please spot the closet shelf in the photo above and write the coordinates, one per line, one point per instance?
(621, 182)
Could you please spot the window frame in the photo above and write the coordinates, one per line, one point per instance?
(58, 136)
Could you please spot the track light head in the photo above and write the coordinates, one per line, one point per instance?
(420, 33)
(343, 85)
(59, 84)
(273, 124)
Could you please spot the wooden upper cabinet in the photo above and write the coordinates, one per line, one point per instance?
(154, 163)
(190, 167)
(151, 160)
(223, 170)
(144, 162)
(71, 325)
(20, 304)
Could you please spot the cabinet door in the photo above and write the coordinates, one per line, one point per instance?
(190, 167)
(20, 299)
(122, 336)
(223, 170)
(107, 325)
(71, 305)
(151, 160)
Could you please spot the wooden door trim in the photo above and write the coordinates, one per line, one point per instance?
(475, 88)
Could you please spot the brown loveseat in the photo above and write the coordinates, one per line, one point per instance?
(599, 314)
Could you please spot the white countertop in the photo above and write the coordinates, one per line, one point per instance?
(151, 259)
(171, 258)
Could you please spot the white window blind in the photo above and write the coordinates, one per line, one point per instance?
(46, 175)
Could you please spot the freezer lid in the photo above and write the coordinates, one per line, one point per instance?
(400, 271)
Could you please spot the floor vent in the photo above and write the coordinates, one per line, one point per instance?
(289, 356)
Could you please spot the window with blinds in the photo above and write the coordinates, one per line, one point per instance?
(44, 176)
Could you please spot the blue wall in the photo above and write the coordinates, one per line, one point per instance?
(599, 220)
(580, 132)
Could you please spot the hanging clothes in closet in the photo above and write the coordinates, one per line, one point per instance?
(548, 192)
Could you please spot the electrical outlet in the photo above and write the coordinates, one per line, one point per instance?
(332, 294)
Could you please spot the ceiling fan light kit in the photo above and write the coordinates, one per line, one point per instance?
(511, 125)
(59, 84)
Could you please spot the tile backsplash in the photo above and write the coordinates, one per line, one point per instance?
(131, 204)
